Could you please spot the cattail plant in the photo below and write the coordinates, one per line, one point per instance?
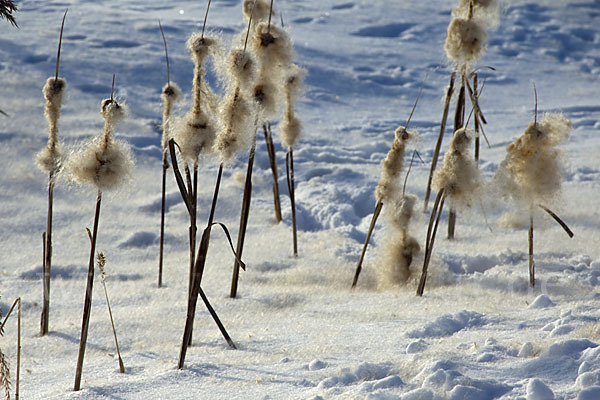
(49, 160)
(170, 94)
(4, 368)
(459, 181)
(466, 42)
(105, 163)
(531, 173)
(388, 188)
(195, 131)
(101, 261)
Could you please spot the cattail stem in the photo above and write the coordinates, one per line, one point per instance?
(16, 303)
(46, 265)
(559, 221)
(162, 216)
(531, 262)
(438, 145)
(459, 121)
(197, 278)
(436, 213)
(289, 164)
(87, 306)
(273, 163)
(364, 250)
(246, 199)
(476, 121)
(112, 323)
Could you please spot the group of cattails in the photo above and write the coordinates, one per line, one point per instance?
(530, 175)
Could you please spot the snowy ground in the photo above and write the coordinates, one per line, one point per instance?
(478, 333)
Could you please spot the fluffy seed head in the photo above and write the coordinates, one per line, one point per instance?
(485, 11)
(294, 80)
(532, 169)
(466, 41)
(195, 135)
(391, 167)
(272, 45)
(170, 94)
(49, 159)
(290, 130)
(459, 175)
(400, 211)
(201, 47)
(268, 97)
(54, 90)
(236, 130)
(241, 67)
(106, 167)
(260, 13)
(113, 112)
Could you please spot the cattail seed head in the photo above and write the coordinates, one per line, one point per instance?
(466, 41)
(290, 130)
(237, 127)
(201, 47)
(260, 13)
(272, 45)
(170, 94)
(241, 68)
(49, 159)
(532, 170)
(54, 90)
(294, 80)
(195, 134)
(105, 162)
(391, 167)
(459, 176)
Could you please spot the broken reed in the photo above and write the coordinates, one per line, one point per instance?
(4, 369)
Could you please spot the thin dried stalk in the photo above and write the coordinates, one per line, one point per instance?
(165, 166)
(364, 250)
(87, 306)
(273, 164)
(46, 265)
(289, 164)
(559, 220)
(436, 213)
(459, 121)
(531, 263)
(7, 8)
(4, 369)
(247, 197)
(438, 145)
(101, 263)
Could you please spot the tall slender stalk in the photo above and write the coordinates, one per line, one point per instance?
(364, 250)
(165, 166)
(531, 263)
(4, 376)
(438, 144)
(459, 120)
(434, 220)
(46, 265)
(289, 164)
(246, 199)
(87, 305)
(273, 164)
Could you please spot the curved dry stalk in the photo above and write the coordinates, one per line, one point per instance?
(436, 213)
(438, 145)
(559, 220)
(364, 250)
(4, 380)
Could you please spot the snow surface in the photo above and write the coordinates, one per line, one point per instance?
(479, 332)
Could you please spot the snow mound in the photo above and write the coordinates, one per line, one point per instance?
(538, 390)
(542, 301)
(449, 324)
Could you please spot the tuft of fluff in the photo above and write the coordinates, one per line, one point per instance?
(485, 11)
(260, 12)
(399, 248)
(272, 45)
(241, 68)
(106, 167)
(234, 135)
(466, 40)
(201, 46)
(391, 167)
(194, 134)
(532, 169)
(170, 94)
(459, 176)
(290, 129)
(49, 159)
(268, 96)
(294, 80)
(105, 162)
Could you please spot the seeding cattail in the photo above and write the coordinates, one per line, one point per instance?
(531, 173)
(195, 132)
(258, 9)
(291, 126)
(389, 190)
(466, 41)
(459, 176)
(236, 113)
(399, 248)
(50, 160)
(106, 163)
(170, 94)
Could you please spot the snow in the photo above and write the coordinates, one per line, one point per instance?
(479, 332)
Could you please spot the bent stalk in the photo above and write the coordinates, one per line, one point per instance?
(364, 250)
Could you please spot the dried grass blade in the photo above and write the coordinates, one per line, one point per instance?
(559, 220)
(368, 238)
